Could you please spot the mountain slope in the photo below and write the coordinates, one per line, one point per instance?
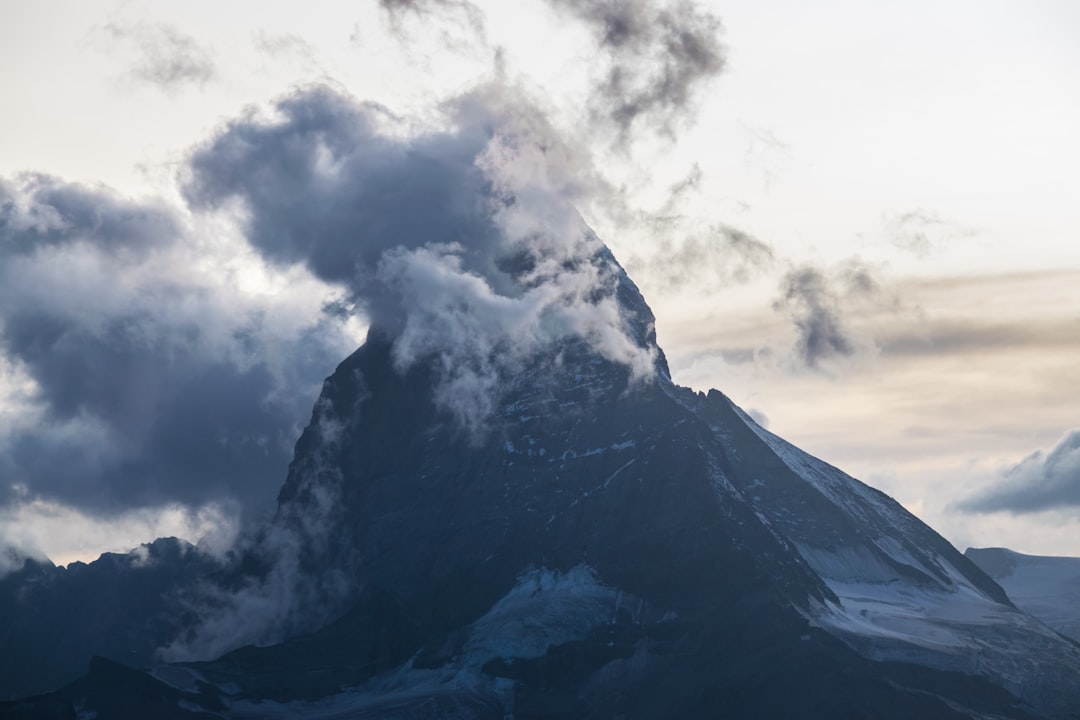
(605, 545)
(1047, 588)
(644, 498)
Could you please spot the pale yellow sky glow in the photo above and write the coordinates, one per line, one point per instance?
(934, 145)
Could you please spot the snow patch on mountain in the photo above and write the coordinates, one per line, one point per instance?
(901, 598)
(544, 609)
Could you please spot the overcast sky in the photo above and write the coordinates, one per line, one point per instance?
(858, 220)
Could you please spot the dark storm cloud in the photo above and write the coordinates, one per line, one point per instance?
(816, 301)
(151, 385)
(155, 383)
(322, 186)
(166, 57)
(38, 211)
(1041, 481)
(656, 58)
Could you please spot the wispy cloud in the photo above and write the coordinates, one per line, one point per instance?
(707, 261)
(657, 57)
(922, 231)
(458, 11)
(164, 56)
(283, 44)
(818, 303)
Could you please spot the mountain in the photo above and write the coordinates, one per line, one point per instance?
(1047, 588)
(122, 606)
(605, 545)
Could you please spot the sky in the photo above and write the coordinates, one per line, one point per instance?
(858, 220)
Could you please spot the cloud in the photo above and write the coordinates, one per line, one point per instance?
(759, 417)
(461, 243)
(705, 262)
(39, 212)
(398, 10)
(921, 231)
(284, 577)
(680, 254)
(944, 336)
(167, 355)
(810, 302)
(147, 375)
(166, 58)
(656, 58)
(1020, 318)
(321, 185)
(816, 301)
(1041, 481)
(11, 559)
(283, 44)
(766, 154)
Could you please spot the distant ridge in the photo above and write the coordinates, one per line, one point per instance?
(1046, 587)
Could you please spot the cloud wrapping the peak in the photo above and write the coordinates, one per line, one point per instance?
(462, 243)
(150, 377)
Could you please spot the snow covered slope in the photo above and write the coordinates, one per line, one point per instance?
(1045, 587)
(900, 592)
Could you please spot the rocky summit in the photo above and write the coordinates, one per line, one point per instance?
(603, 544)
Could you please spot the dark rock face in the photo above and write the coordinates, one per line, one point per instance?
(606, 547)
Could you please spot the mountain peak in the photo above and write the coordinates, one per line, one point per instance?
(555, 528)
(589, 477)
